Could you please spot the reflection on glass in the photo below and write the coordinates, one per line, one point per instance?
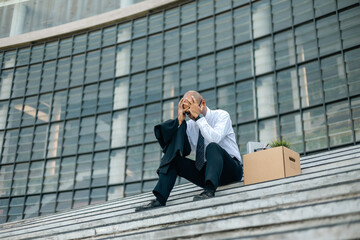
(5, 83)
(310, 84)
(314, 129)
(117, 166)
(291, 131)
(355, 111)
(261, 18)
(245, 101)
(119, 129)
(288, 92)
(122, 59)
(263, 56)
(121, 93)
(266, 96)
(268, 130)
(51, 175)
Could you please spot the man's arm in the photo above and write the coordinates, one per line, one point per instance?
(217, 133)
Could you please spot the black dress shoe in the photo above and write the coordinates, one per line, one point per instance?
(204, 195)
(153, 204)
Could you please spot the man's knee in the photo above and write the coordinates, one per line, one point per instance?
(212, 148)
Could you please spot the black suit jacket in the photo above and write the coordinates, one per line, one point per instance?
(173, 141)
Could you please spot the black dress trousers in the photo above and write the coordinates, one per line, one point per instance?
(220, 169)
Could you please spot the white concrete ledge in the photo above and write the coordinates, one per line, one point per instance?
(97, 21)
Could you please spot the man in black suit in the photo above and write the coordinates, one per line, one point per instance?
(210, 135)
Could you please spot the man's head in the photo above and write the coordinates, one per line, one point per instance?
(199, 100)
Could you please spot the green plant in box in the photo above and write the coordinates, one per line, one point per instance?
(278, 143)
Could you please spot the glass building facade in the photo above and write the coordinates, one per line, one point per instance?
(77, 113)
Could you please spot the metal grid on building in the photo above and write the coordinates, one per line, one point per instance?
(77, 114)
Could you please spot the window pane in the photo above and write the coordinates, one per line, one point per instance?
(171, 46)
(39, 142)
(288, 91)
(153, 85)
(29, 114)
(117, 166)
(314, 129)
(98, 195)
(89, 99)
(71, 137)
(55, 140)
(334, 78)
(188, 12)
(226, 101)
(171, 81)
(268, 130)
(43, 108)
(35, 177)
(74, 103)
(109, 36)
(48, 76)
(323, 6)
(37, 53)
(136, 125)
(65, 47)
(171, 17)
(241, 24)
(134, 164)
(188, 76)
(100, 169)
(92, 67)
(352, 62)
(51, 175)
(94, 40)
(32, 205)
(263, 56)
(206, 36)
(355, 111)
(140, 27)
(115, 192)
(138, 55)
(105, 96)
(170, 109)
(20, 178)
(83, 171)
(284, 49)
(81, 198)
(225, 66)
(62, 73)
(261, 18)
(3, 114)
(206, 71)
(246, 133)
(155, 22)
(59, 106)
(205, 8)
(6, 173)
(10, 145)
(86, 138)
(64, 201)
(80, 43)
(77, 70)
(245, 101)
(23, 56)
(151, 161)
(291, 131)
(266, 96)
(102, 139)
(328, 34)
(121, 93)
(281, 13)
(16, 209)
(350, 29)
(119, 129)
(67, 173)
(24, 145)
(302, 10)
(9, 58)
(152, 117)
(222, 5)
(132, 189)
(310, 84)
(51, 50)
(223, 26)
(3, 209)
(19, 85)
(137, 89)
(188, 41)
(339, 123)
(243, 62)
(124, 32)
(6, 78)
(154, 56)
(107, 63)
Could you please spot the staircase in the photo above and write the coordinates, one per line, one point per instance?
(321, 203)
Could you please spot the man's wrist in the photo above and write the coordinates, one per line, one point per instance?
(198, 117)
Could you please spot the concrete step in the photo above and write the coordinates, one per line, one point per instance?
(326, 194)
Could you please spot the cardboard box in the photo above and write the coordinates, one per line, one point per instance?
(270, 164)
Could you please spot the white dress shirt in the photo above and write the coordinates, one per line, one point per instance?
(215, 127)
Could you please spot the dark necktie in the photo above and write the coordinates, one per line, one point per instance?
(199, 161)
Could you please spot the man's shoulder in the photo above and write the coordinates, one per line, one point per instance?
(220, 112)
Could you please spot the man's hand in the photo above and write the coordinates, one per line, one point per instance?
(182, 111)
(193, 107)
